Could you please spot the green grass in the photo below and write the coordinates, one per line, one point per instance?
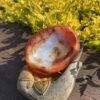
(82, 15)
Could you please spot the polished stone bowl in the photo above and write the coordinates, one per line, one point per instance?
(51, 50)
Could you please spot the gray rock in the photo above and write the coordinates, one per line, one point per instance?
(58, 89)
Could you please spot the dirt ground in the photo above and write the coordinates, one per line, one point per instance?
(12, 45)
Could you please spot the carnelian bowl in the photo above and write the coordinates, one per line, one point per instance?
(51, 50)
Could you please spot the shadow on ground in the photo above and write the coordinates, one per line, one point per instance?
(11, 54)
(91, 67)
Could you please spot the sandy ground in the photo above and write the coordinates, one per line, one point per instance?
(11, 62)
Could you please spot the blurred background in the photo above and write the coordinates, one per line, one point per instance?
(83, 16)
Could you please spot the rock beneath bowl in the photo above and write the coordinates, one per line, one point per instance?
(57, 87)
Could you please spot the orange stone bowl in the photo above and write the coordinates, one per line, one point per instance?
(51, 50)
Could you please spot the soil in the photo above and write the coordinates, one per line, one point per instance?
(12, 45)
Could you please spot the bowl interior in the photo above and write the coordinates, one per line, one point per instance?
(47, 51)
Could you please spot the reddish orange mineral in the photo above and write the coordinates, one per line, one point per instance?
(51, 50)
